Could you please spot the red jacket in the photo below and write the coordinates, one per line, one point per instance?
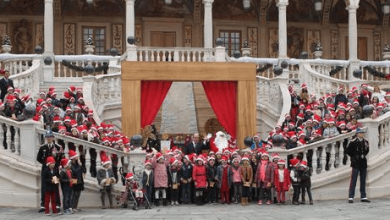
(199, 176)
(286, 182)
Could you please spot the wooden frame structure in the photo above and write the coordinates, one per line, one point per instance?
(135, 72)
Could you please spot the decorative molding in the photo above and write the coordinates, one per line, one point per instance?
(334, 44)
(273, 47)
(326, 12)
(313, 37)
(377, 46)
(57, 7)
(39, 35)
(138, 35)
(253, 40)
(3, 31)
(117, 37)
(69, 39)
(264, 9)
(187, 36)
(197, 9)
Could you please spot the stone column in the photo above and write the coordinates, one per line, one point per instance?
(282, 5)
(208, 23)
(353, 37)
(352, 31)
(48, 28)
(130, 20)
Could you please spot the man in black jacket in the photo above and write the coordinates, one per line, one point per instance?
(194, 146)
(49, 149)
(5, 82)
(358, 149)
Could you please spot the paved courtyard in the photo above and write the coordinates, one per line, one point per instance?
(337, 209)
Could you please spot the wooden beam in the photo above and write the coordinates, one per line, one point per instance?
(180, 71)
(246, 111)
(131, 107)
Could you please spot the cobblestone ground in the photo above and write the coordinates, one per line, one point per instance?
(337, 209)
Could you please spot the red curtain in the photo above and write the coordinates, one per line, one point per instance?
(152, 96)
(222, 96)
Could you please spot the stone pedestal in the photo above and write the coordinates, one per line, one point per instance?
(220, 54)
(386, 55)
(136, 165)
(318, 54)
(89, 49)
(6, 48)
(131, 52)
(246, 52)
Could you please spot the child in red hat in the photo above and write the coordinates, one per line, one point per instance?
(51, 178)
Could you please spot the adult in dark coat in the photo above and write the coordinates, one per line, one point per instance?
(358, 149)
(5, 82)
(49, 149)
(194, 146)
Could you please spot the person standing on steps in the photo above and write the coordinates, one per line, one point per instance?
(358, 149)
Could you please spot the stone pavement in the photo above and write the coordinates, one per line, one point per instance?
(336, 209)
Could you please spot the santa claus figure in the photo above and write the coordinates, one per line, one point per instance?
(219, 143)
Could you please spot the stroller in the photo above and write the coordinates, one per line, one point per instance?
(133, 193)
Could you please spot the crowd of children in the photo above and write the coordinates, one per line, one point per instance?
(245, 176)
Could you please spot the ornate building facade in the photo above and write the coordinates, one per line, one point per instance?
(181, 23)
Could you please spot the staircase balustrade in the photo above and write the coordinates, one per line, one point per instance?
(174, 54)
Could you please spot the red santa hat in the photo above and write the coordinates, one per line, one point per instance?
(17, 91)
(65, 162)
(364, 85)
(173, 161)
(275, 156)
(159, 156)
(265, 154)
(148, 162)
(301, 141)
(304, 86)
(72, 154)
(304, 163)
(50, 160)
(224, 158)
(317, 118)
(291, 134)
(354, 89)
(245, 158)
(129, 176)
(72, 89)
(283, 162)
(10, 88)
(57, 119)
(61, 128)
(294, 162)
(10, 98)
(330, 106)
(300, 115)
(387, 94)
(341, 88)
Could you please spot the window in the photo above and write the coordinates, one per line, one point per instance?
(231, 41)
(98, 35)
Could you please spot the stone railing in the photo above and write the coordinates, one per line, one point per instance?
(28, 81)
(324, 67)
(16, 63)
(316, 153)
(175, 54)
(273, 101)
(380, 66)
(79, 62)
(102, 91)
(320, 84)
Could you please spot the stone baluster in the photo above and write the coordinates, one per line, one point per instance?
(8, 138)
(199, 56)
(332, 158)
(314, 161)
(98, 162)
(182, 56)
(146, 55)
(152, 55)
(176, 56)
(87, 159)
(17, 141)
(323, 158)
(193, 56)
(170, 56)
(66, 150)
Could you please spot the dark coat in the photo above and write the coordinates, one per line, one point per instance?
(4, 86)
(186, 171)
(171, 172)
(358, 151)
(77, 173)
(45, 151)
(64, 179)
(145, 179)
(47, 177)
(211, 173)
(220, 177)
